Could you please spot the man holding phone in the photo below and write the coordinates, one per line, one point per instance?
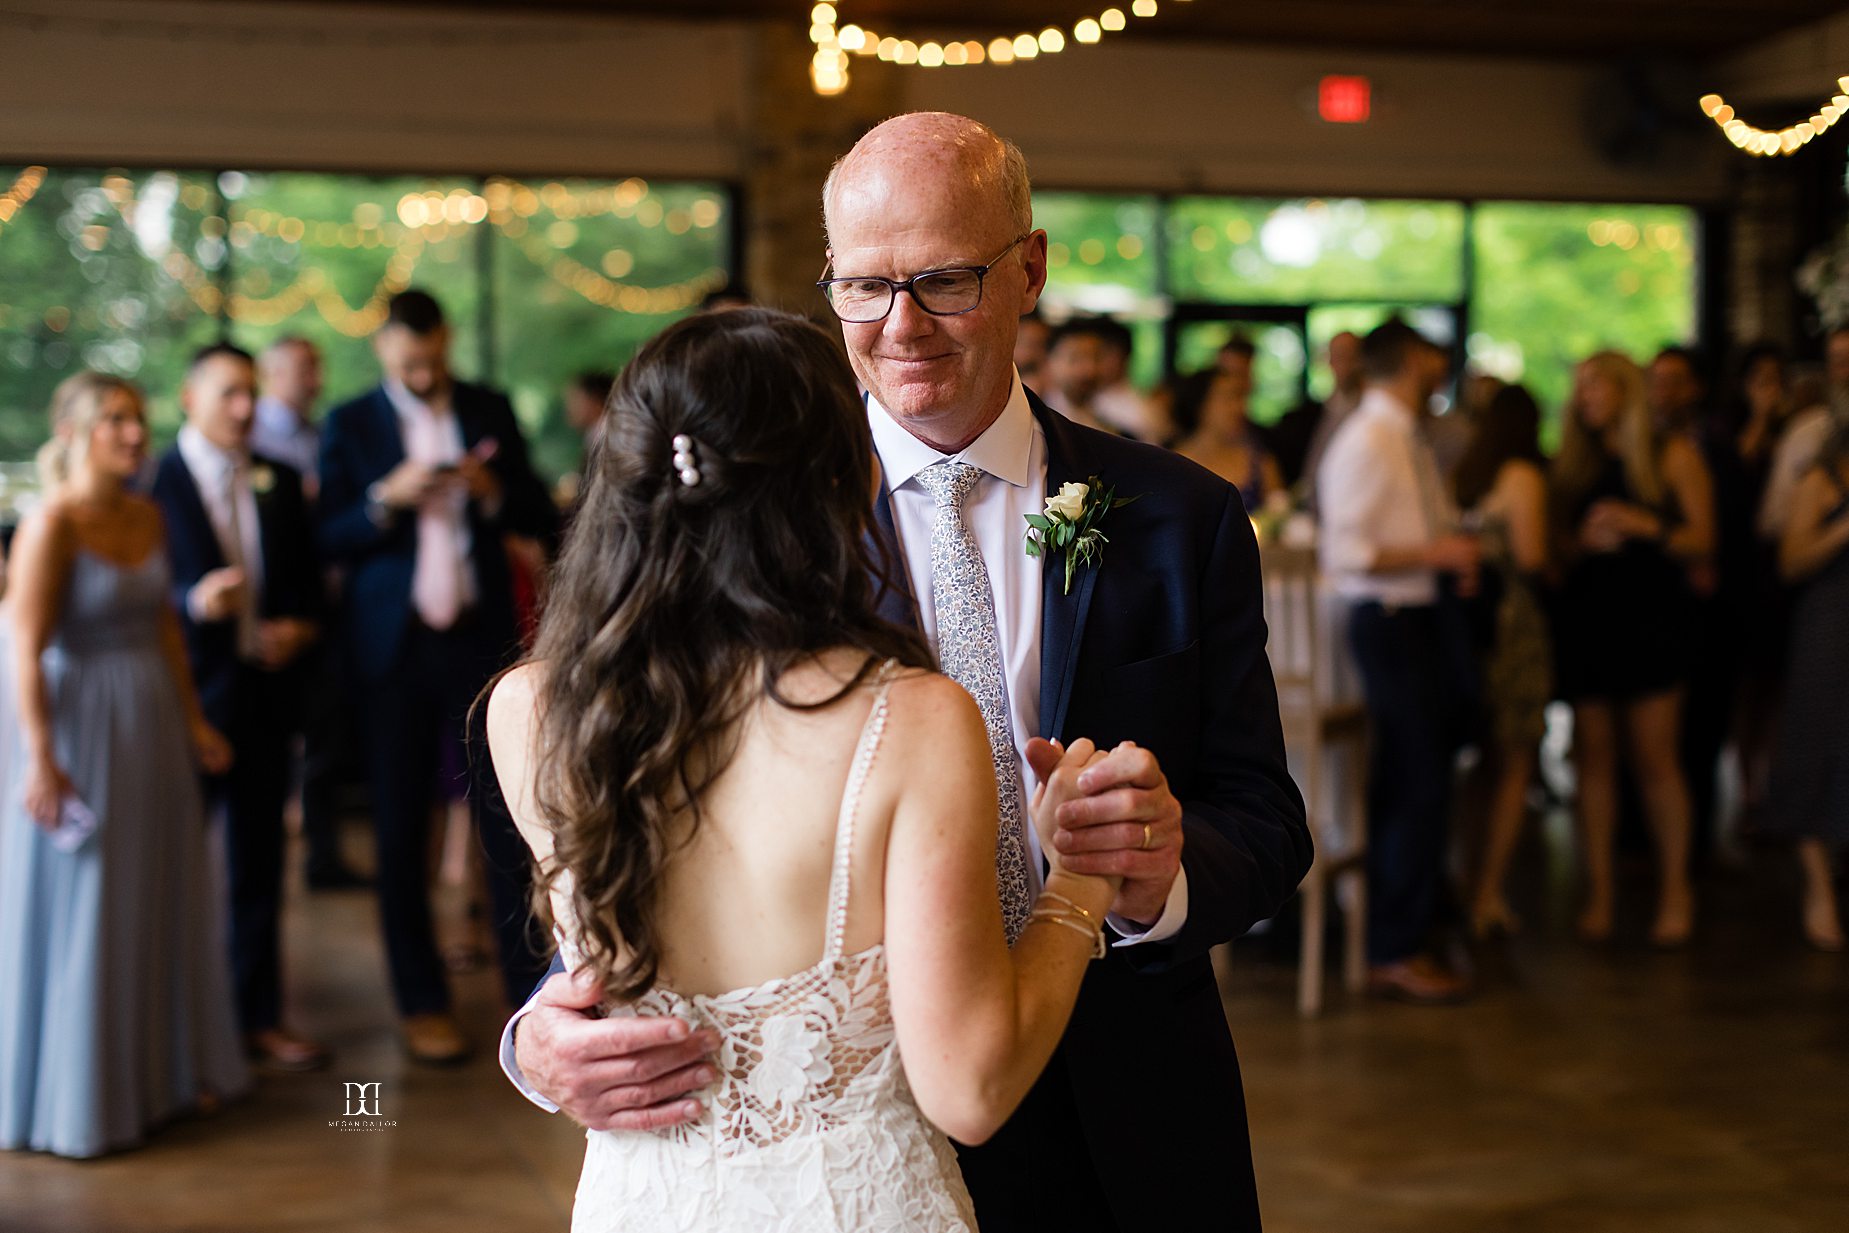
(421, 479)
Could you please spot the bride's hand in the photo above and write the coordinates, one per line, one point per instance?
(1058, 771)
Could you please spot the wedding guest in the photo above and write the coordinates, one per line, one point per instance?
(1075, 371)
(1804, 434)
(821, 739)
(1677, 394)
(289, 389)
(1634, 511)
(247, 583)
(1120, 404)
(1748, 428)
(1211, 412)
(420, 480)
(1344, 358)
(585, 397)
(1389, 533)
(1502, 483)
(1810, 771)
(116, 1012)
(1030, 343)
(1199, 815)
(1289, 439)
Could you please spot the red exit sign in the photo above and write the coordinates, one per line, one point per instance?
(1345, 100)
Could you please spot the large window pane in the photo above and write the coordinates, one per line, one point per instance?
(1277, 361)
(1247, 251)
(585, 272)
(129, 272)
(106, 270)
(319, 256)
(1101, 258)
(1555, 283)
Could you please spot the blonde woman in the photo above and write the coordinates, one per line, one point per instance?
(1636, 514)
(115, 998)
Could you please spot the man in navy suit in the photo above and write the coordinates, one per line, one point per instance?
(247, 583)
(421, 479)
(1139, 1120)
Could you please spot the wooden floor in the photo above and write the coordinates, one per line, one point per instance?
(1584, 1090)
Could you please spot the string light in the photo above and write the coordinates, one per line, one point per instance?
(835, 44)
(1788, 140)
(425, 218)
(25, 187)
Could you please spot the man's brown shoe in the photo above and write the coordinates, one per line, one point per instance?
(1417, 980)
(435, 1040)
(280, 1050)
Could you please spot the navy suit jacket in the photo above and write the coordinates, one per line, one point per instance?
(360, 443)
(292, 585)
(1163, 643)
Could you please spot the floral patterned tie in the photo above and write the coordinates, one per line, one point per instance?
(969, 647)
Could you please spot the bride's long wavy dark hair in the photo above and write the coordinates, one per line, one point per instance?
(676, 606)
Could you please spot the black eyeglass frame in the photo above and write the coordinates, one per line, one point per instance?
(895, 286)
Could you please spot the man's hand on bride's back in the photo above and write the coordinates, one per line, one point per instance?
(611, 1074)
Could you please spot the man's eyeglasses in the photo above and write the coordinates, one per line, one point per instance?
(948, 292)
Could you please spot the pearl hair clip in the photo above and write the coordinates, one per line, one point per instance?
(684, 460)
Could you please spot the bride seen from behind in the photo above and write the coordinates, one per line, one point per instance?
(757, 807)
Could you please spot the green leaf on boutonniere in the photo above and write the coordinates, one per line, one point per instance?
(262, 480)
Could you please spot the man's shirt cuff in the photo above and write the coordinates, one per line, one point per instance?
(1130, 933)
(510, 1066)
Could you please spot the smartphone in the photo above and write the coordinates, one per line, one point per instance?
(75, 825)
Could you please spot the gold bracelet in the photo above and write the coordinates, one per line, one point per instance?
(1059, 898)
(1061, 918)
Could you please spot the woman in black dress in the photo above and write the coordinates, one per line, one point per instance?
(1810, 771)
(1636, 512)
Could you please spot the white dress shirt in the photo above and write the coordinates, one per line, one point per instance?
(1336, 410)
(1011, 453)
(433, 436)
(1378, 488)
(279, 433)
(223, 481)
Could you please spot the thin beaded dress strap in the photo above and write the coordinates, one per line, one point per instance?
(839, 880)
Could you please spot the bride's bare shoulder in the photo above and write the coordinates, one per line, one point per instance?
(929, 704)
(511, 705)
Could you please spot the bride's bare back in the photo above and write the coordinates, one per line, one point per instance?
(745, 901)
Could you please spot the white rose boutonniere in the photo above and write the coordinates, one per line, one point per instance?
(262, 480)
(1069, 501)
(1070, 524)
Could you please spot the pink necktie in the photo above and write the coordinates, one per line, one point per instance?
(436, 581)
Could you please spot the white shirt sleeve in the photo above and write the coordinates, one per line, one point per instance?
(511, 1067)
(1174, 916)
(1352, 486)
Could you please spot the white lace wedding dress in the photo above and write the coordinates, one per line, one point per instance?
(810, 1127)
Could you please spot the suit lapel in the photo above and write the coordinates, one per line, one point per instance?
(896, 601)
(1062, 615)
(269, 535)
(391, 434)
(192, 506)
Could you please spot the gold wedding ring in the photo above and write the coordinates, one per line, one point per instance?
(1145, 836)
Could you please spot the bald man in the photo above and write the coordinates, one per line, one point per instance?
(1158, 649)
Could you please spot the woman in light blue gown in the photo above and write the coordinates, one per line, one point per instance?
(115, 1002)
